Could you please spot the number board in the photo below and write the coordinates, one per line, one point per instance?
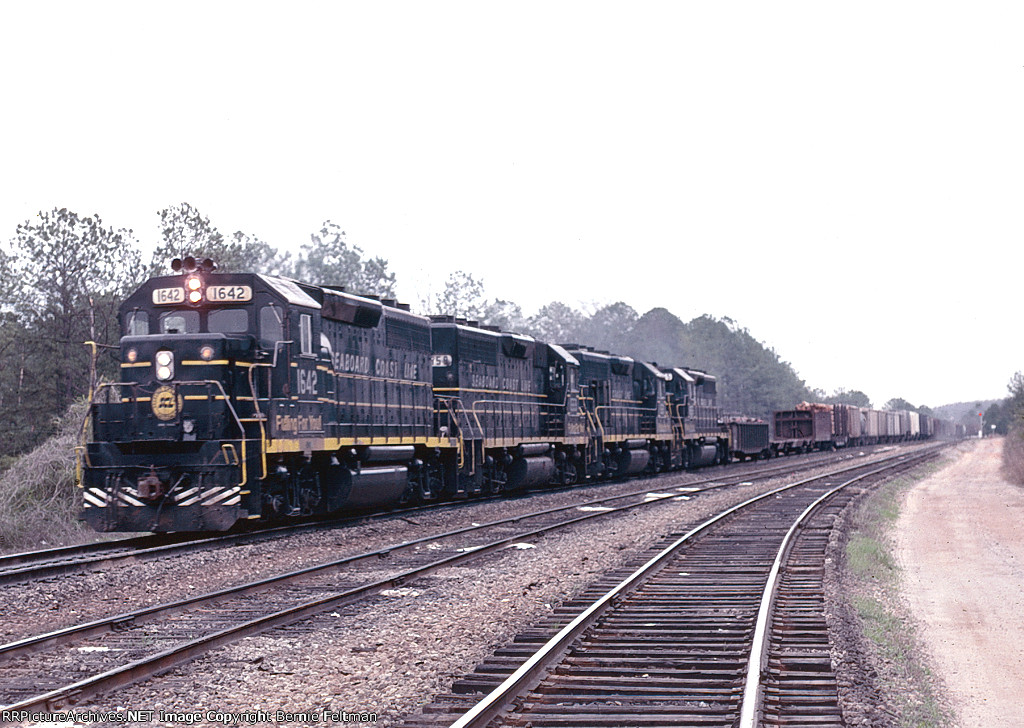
(228, 294)
(164, 296)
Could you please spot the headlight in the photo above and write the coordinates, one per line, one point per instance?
(164, 365)
(187, 426)
(194, 285)
(206, 353)
(131, 356)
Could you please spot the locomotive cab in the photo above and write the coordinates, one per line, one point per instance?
(174, 442)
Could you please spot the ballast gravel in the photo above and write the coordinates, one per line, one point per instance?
(382, 658)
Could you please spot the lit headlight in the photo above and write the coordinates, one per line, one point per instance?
(164, 365)
(194, 286)
(206, 353)
(131, 356)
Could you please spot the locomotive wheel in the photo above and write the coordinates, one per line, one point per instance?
(428, 484)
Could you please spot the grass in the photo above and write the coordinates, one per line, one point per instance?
(39, 502)
(903, 675)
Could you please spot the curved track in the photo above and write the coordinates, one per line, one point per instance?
(703, 633)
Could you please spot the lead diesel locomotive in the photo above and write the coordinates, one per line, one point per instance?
(246, 396)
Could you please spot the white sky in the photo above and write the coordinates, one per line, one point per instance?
(844, 180)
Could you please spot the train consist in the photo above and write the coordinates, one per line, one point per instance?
(813, 426)
(245, 396)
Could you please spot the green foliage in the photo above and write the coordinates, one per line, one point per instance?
(8, 281)
(186, 231)
(609, 327)
(1015, 402)
(556, 323)
(844, 396)
(71, 272)
(462, 296)
(328, 259)
(505, 315)
(244, 253)
(1011, 415)
(752, 379)
(998, 418)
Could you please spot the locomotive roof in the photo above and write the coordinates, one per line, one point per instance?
(289, 290)
(564, 355)
(682, 374)
(654, 370)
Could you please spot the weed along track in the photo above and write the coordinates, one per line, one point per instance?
(723, 626)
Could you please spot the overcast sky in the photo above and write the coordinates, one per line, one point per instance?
(843, 180)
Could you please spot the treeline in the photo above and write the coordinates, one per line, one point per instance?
(66, 273)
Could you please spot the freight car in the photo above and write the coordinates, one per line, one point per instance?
(803, 430)
(814, 426)
(749, 438)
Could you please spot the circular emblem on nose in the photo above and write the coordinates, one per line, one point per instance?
(165, 405)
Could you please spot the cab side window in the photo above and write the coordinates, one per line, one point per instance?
(271, 326)
(136, 323)
(306, 333)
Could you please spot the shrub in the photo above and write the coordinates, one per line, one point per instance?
(1013, 454)
(39, 502)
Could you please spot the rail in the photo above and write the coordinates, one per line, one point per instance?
(531, 671)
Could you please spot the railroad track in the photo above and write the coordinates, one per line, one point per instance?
(704, 633)
(48, 563)
(62, 667)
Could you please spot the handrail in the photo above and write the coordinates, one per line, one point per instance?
(513, 407)
(622, 412)
(176, 385)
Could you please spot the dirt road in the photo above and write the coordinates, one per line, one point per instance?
(960, 541)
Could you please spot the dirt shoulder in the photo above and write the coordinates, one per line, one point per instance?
(960, 543)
